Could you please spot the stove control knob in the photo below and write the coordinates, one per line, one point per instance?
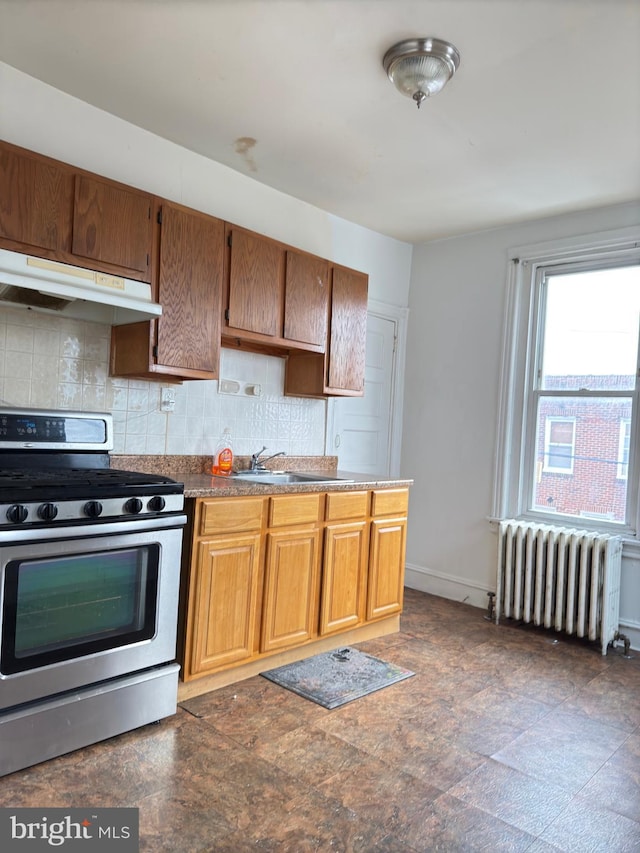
(17, 513)
(156, 504)
(93, 509)
(47, 512)
(133, 506)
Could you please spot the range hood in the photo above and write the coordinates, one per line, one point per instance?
(69, 291)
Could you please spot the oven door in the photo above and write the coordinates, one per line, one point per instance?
(80, 605)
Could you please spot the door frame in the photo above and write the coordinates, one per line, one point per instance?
(399, 316)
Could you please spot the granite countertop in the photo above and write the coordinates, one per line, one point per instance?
(192, 471)
(206, 485)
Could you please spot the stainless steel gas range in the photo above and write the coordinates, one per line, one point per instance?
(89, 582)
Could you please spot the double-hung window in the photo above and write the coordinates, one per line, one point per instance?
(570, 421)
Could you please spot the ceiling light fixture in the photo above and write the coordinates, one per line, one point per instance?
(419, 68)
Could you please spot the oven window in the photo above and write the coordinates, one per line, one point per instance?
(69, 606)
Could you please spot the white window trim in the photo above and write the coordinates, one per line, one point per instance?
(622, 471)
(550, 469)
(521, 325)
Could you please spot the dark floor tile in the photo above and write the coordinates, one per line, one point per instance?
(512, 709)
(254, 767)
(31, 787)
(410, 743)
(616, 786)
(379, 646)
(312, 755)
(482, 734)
(438, 762)
(379, 794)
(582, 828)
(439, 674)
(250, 791)
(391, 844)
(195, 746)
(450, 826)
(540, 846)
(312, 823)
(544, 680)
(255, 712)
(176, 822)
(612, 697)
(521, 801)
(564, 747)
(104, 775)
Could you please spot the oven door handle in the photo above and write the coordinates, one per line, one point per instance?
(82, 530)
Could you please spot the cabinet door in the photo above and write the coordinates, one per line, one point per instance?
(292, 575)
(386, 567)
(222, 617)
(306, 303)
(36, 200)
(256, 282)
(190, 289)
(344, 576)
(340, 371)
(112, 224)
(347, 340)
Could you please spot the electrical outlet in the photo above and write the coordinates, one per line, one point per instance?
(167, 400)
(228, 386)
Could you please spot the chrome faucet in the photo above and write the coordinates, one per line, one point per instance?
(259, 465)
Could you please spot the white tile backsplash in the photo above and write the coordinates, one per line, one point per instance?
(50, 362)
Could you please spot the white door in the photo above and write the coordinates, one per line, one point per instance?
(362, 426)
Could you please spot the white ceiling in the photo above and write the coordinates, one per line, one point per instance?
(542, 117)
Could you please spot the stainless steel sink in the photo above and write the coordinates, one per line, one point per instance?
(282, 478)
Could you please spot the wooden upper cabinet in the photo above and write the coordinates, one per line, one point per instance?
(189, 289)
(36, 201)
(348, 330)
(184, 342)
(112, 224)
(53, 210)
(277, 297)
(306, 302)
(256, 283)
(340, 372)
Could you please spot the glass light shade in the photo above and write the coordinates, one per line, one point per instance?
(419, 68)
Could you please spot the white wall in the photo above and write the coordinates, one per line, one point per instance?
(457, 303)
(43, 119)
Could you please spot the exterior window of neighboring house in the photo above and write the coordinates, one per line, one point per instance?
(624, 442)
(569, 408)
(559, 445)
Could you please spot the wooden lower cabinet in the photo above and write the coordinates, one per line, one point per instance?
(291, 589)
(227, 574)
(272, 573)
(387, 552)
(344, 576)
(386, 567)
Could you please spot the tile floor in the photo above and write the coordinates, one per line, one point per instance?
(503, 740)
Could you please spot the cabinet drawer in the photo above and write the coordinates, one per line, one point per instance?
(390, 502)
(346, 505)
(294, 509)
(231, 515)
